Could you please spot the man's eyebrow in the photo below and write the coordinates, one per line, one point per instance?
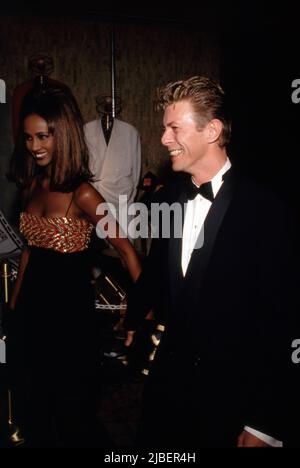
(169, 124)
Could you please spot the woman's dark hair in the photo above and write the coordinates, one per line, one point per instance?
(69, 167)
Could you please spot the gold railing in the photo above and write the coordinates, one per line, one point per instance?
(15, 437)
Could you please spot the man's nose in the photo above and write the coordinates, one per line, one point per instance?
(166, 138)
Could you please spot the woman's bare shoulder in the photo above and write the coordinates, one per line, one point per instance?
(86, 192)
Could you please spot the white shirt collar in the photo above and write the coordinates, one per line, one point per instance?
(217, 180)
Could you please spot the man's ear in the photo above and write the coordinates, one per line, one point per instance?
(213, 130)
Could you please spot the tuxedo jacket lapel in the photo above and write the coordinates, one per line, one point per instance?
(201, 256)
(175, 253)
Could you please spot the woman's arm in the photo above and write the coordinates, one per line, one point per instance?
(22, 267)
(128, 255)
(88, 200)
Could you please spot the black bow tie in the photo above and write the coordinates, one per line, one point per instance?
(205, 190)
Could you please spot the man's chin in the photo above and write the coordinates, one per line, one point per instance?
(175, 167)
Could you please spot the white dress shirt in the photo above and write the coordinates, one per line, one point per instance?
(196, 212)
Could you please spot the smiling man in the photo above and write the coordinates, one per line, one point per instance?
(221, 370)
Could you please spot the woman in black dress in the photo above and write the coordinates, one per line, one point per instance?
(52, 345)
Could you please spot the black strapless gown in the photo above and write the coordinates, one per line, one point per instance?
(52, 351)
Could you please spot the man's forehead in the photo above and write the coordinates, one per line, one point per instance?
(178, 112)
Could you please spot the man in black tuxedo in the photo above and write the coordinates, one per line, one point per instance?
(221, 373)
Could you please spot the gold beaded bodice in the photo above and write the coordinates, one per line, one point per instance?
(62, 234)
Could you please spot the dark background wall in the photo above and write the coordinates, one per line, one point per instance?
(259, 62)
(251, 48)
(149, 53)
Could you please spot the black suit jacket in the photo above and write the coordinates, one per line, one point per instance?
(225, 357)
